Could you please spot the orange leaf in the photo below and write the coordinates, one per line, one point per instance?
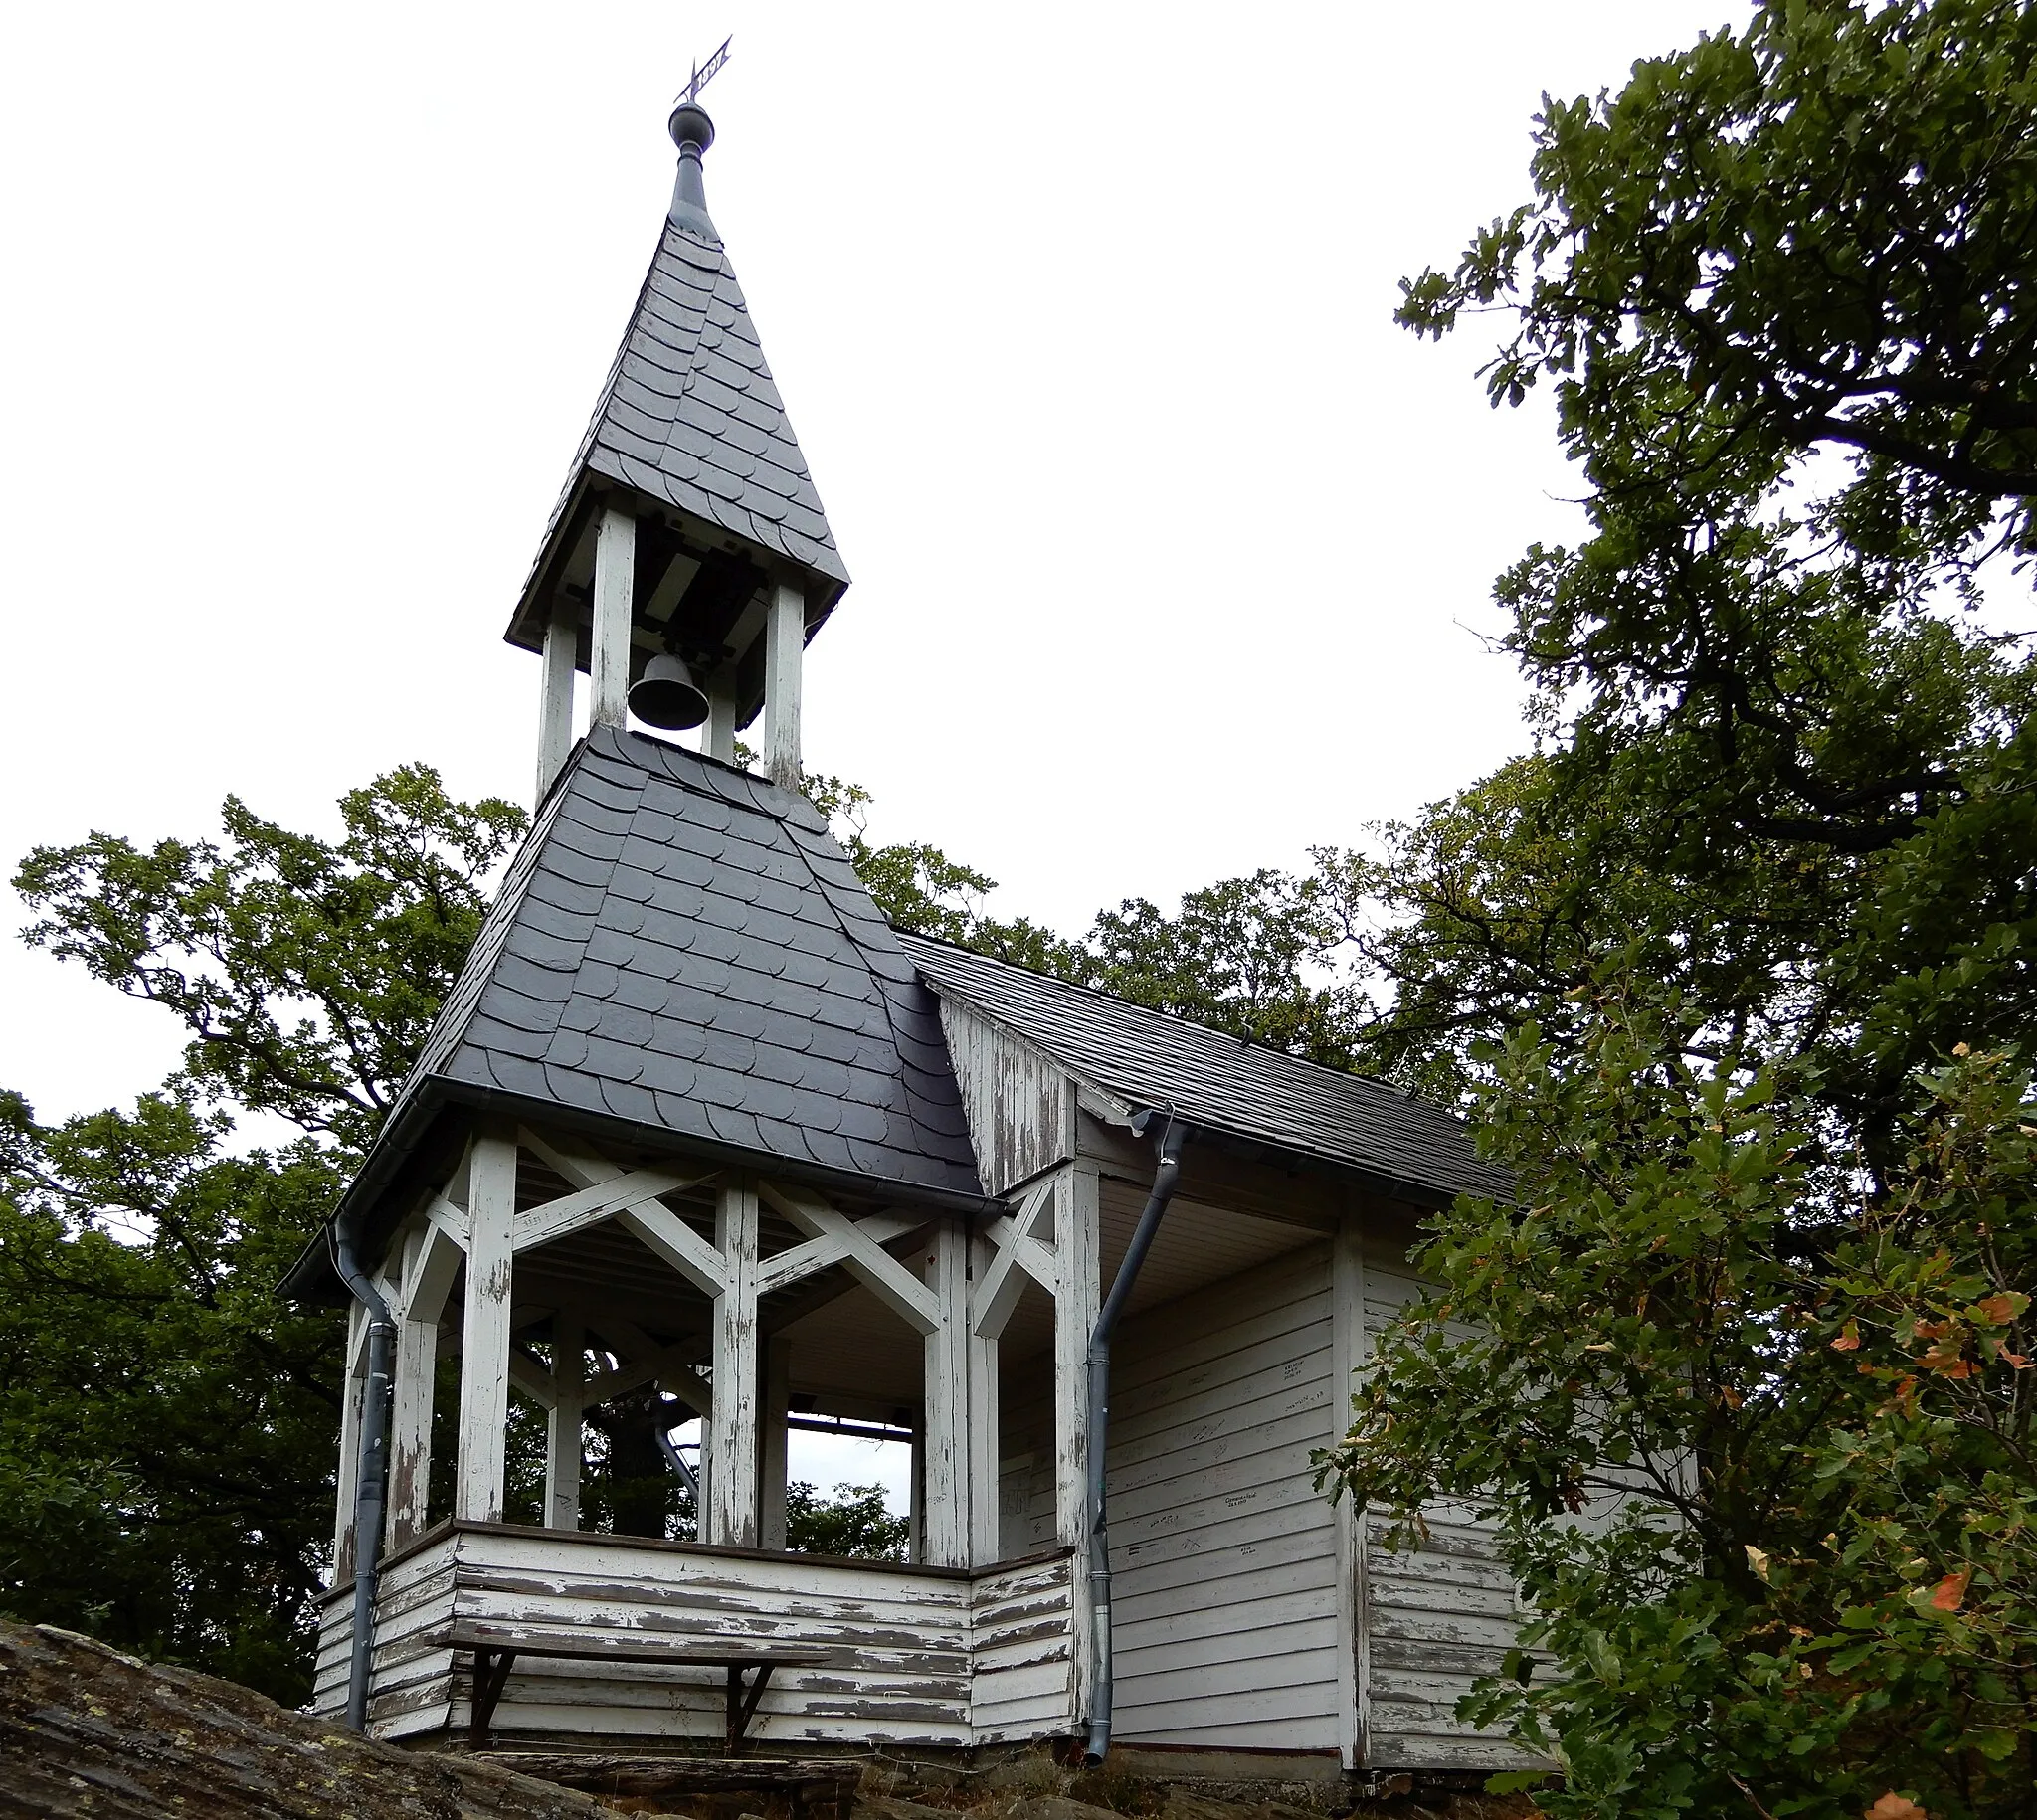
(1951, 1593)
(1849, 1339)
(1999, 1309)
(1893, 1806)
(1947, 1359)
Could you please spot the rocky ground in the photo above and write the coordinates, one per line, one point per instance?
(88, 1734)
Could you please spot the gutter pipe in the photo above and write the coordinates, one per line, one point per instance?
(686, 1475)
(371, 1479)
(1165, 1176)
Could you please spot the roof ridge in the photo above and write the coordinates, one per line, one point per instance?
(1148, 1011)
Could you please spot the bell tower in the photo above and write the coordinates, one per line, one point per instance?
(688, 560)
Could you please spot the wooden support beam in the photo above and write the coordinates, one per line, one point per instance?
(823, 1253)
(776, 1350)
(679, 1245)
(615, 581)
(1016, 1254)
(785, 646)
(531, 1376)
(656, 1225)
(431, 1262)
(562, 1424)
(985, 1515)
(450, 1219)
(555, 694)
(484, 1332)
(718, 739)
(1350, 1354)
(589, 1206)
(731, 1514)
(944, 1531)
(645, 1362)
(871, 1265)
(1078, 1220)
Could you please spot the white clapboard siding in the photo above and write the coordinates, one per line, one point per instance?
(1023, 1681)
(897, 1643)
(1222, 1553)
(410, 1686)
(912, 1656)
(1020, 1105)
(1026, 1497)
(1439, 1615)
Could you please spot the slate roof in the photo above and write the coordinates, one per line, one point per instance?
(1148, 1059)
(684, 947)
(690, 415)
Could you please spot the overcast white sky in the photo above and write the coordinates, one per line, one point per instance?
(1170, 551)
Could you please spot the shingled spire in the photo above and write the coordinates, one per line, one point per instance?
(690, 523)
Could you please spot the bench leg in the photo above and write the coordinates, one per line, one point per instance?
(491, 1671)
(742, 1702)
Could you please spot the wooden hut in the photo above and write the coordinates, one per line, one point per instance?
(696, 1116)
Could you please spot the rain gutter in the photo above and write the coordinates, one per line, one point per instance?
(1172, 1138)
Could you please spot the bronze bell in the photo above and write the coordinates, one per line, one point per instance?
(666, 695)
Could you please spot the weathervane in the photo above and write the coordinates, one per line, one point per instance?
(704, 73)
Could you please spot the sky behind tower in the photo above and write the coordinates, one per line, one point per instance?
(1172, 554)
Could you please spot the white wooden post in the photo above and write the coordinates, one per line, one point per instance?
(352, 1388)
(944, 1533)
(731, 1517)
(785, 646)
(430, 1261)
(776, 1409)
(1350, 1353)
(615, 581)
(562, 1422)
(555, 696)
(1079, 1219)
(477, 1493)
(719, 741)
(986, 1539)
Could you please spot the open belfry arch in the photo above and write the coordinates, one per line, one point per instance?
(696, 1124)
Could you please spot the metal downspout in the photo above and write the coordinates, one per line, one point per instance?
(371, 1479)
(1164, 1179)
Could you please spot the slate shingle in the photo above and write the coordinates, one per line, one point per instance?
(690, 414)
(1151, 1059)
(747, 1001)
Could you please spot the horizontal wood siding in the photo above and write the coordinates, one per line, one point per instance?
(1437, 1616)
(1024, 1685)
(1020, 1107)
(1223, 1553)
(897, 1644)
(1026, 1448)
(410, 1686)
(911, 1658)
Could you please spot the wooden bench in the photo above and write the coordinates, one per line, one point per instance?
(495, 1648)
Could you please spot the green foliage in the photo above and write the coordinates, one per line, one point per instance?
(1733, 965)
(1269, 957)
(1765, 1456)
(166, 1423)
(306, 970)
(1809, 235)
(854, 1523)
